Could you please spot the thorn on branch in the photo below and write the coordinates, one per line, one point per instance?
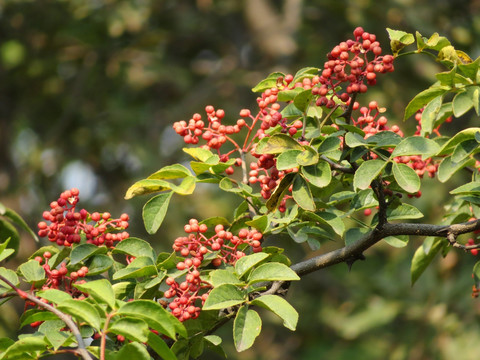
(351, 260)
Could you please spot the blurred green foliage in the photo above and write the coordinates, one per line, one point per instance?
(89, 91)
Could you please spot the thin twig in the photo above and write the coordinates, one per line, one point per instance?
(81, 350)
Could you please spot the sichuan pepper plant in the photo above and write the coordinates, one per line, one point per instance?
(309, 161)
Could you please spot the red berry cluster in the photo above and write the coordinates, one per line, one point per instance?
(67, 225)
(348, 63)
(267, 175)
(371, 123)
(59, 278)
(227, 247)
(215, 133)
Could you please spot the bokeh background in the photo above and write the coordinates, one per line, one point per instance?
(89, 90)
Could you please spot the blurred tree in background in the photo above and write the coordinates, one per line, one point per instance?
(89, 91)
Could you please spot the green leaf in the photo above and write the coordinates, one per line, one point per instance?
(274, 201)
(220, 277)
(186, 187)
(399, 39)
(101, 290)
(229, 185)
(272, 271)
(160, 347)
(83, 310)
(332, 221)
(416, 145)
(17, 219)
(291, 112)
(307, 157)
(201, 167)
(84, 251)
(33, 315)
(464, 149)
(429, 115)
(224, 296)
(287, 95)
(98, 264)
(421, 259)
(319, 175)
(279, 143)
(155, 210)
(354, 140)
(155, 315)
(406, 177)
(384, 139)
(447, 78)
(280, 307)
(54, 295)
(354, 234)
(301, 193)
(288, 159)
(470, 70)
(52, 330)
(269, 82)
(32, 271)
(133, 350)
(5, 253)
(244, 264)
(140, 267)
(246, 327)
(303, 99)
(448, 147)
(447, 167)
(147, 186)
(423, 98)
(367, 172)
(330, 143)
(135, 247)
(469, 188)
(363, 199)
(398, 241)
(306, 72)
(465, 100)
(198, 153)
(402, 212)
(26, 344)
(8, 232)
(10, 275)
(132, 328)
(435, 42)
(171, 172)
(259, 222)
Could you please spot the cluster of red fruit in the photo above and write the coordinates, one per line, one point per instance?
(215, 133)
(371, 123)
(67, 225)
(348, 63)
(226, 249)
(59, 278)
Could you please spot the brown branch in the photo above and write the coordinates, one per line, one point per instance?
(355, 251)
(348, 112)
(338, 167)
(81, 350)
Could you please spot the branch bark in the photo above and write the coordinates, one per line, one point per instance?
(81, 350)
(355, 251)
